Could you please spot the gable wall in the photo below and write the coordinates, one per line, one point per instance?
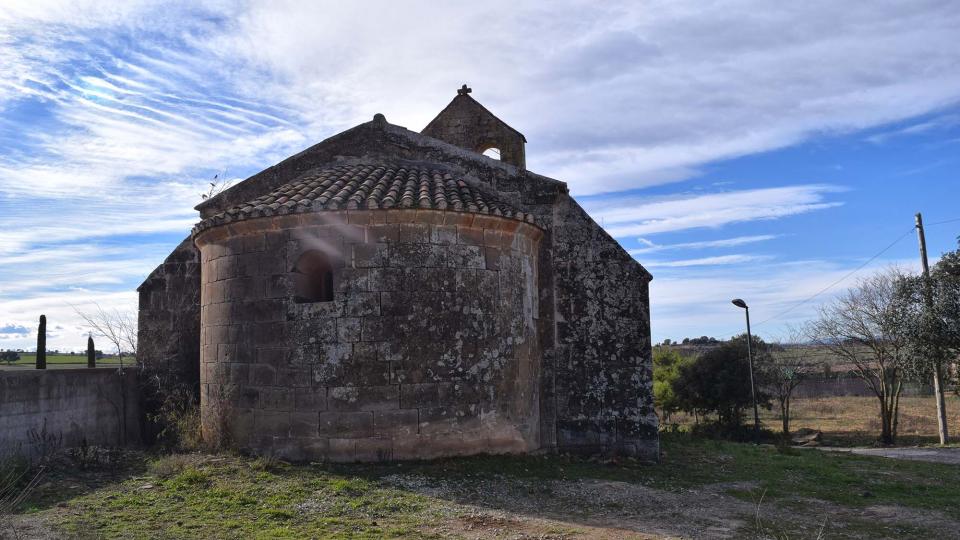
(467, 124)
(168, 323)
(603, 365)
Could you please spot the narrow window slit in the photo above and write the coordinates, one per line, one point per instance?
(313, 278)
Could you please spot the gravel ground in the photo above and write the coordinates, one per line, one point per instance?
(935, 455)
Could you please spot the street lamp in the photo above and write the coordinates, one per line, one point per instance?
(753, 393)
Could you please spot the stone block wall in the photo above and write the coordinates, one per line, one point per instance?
(169, 317)
(602, 356)
(429, 348)
(96, 404)
(596, 387)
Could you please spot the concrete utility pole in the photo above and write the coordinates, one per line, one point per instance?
(937, 368)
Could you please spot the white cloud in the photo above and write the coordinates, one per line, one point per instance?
(719, 260)
(696, 302)
(28, 223)
(942, 122)
(615, 96)
(50, 279)
(73, 265)
(643, 215)
(629, 99)
(142, 100)
(13, 331)
(725, 242)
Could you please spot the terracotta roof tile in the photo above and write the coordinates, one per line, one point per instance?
(370, 186)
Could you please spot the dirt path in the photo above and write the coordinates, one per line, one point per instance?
(568, 509)
(590, 508)
(936, 455)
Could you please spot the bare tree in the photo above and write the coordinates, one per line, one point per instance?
(791, 361)
(120, 329)
(128, 331)
(866, 328)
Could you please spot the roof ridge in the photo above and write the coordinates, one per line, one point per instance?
(372, 185)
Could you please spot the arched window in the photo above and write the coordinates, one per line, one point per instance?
(313, 278)
(492, 153)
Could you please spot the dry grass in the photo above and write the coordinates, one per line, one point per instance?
(852, 420)
(171, 465)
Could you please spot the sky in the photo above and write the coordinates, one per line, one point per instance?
(773, 152)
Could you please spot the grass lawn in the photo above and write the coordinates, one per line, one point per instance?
(701, 489)
(63, 360)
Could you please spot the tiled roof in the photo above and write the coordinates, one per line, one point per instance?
(370, 186)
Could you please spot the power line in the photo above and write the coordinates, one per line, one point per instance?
(847, 275)
(837, 282)
(942, 222)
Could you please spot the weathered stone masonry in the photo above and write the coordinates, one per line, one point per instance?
(468, 124)
(169, 316)
(603, 359)
(429, 349)
(476, 306)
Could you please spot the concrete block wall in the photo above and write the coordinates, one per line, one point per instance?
(98, 404)
(428, 349)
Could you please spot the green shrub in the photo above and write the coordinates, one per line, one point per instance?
(731, 432)
(666, 369)
(718, 382)
(172, 412)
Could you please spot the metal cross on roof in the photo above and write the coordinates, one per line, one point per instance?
(464, 90)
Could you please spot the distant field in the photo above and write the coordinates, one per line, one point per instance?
(847, 421)
(29, 359)
(855, 420)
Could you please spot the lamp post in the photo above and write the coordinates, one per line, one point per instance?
(753, 393)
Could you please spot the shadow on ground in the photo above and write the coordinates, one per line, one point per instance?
(702, 489)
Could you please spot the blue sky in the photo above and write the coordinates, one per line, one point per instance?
(736, 150)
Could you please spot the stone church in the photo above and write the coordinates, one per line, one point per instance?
(387, 294)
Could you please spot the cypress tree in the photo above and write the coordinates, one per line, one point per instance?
(42, 343)
(91, 355)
